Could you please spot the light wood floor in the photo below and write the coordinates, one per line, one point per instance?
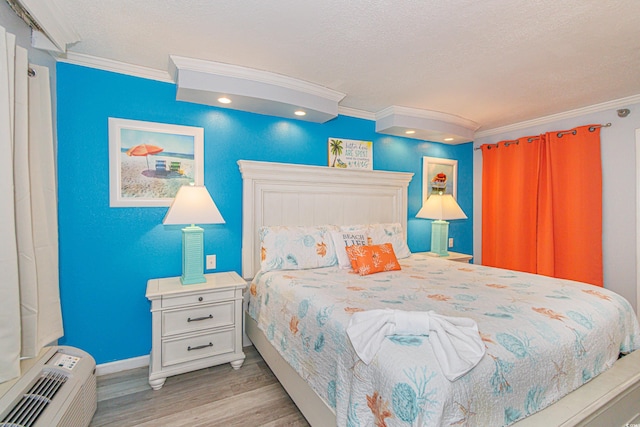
(216, 396)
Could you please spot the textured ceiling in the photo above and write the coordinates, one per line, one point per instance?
(496, 62)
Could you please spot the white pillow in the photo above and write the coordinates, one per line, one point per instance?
(342, 239)
(390, 233)
(385, 233)
(296, 248)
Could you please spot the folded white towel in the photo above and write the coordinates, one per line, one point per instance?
(455, 340)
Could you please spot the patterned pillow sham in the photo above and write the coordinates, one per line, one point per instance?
(296, 248)
(385, 233)
(342, 239)
(374, 258)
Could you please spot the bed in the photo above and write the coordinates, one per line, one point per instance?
(296, 195)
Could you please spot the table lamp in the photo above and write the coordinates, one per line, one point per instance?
(440, 207)
(193, 205)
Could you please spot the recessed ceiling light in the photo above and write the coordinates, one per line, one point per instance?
(224, 100)
(410, 132)
(300, 113)
(448, 139)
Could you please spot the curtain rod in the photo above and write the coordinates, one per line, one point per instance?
(533, 138)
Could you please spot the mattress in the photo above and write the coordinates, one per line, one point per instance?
(544, 337)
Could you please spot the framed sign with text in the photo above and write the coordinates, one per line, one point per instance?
(350, 154)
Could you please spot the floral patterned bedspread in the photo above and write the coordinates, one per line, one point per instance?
(544, 337)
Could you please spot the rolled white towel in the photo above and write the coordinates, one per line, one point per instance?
(455, 340)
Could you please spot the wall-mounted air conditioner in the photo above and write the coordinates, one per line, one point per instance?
(59, 389)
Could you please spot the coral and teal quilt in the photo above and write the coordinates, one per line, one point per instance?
(544, 338)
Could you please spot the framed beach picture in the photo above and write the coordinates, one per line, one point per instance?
(439, 173)
(350, 154)
(149, 162)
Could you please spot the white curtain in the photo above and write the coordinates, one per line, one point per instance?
(30, 315)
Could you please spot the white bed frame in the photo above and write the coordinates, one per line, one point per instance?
(287, 194)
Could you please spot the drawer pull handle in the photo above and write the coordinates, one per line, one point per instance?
(200, 299)
(200, 318)
(200, 347)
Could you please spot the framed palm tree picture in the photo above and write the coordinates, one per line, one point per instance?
(350, 154)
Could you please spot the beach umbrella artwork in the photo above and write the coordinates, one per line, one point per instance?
(144, 150)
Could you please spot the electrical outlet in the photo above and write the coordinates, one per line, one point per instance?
(450, 242)
(211, 262)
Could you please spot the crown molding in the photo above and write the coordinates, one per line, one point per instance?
(354, 112)
(52, 21)
(595, 108)
(116, 66)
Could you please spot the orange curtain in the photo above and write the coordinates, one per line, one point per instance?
(509, 203)
(570, 201)
(542, 205)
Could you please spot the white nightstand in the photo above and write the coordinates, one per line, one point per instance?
(453, 256)
(195, 326)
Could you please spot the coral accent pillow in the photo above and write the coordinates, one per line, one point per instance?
(374, 258)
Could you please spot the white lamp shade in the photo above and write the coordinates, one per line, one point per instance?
(441, 206)
(193, 205)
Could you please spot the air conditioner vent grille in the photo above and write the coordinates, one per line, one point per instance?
(35, 400)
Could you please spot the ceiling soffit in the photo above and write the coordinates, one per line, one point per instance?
(262, 92)
(425, 125)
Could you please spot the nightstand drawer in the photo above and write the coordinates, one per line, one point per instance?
(197, 318)
(196, 347)
(197, 298)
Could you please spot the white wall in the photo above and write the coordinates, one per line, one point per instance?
(619, 186)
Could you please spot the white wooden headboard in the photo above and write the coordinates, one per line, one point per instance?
(288, 194)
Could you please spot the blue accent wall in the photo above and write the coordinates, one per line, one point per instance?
(108, 254)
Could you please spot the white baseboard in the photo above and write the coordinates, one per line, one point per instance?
(122, 365)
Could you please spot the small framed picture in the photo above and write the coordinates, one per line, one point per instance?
(149, 162)
(441, 173)
(350, 154)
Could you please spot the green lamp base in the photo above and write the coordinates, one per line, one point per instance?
(439, 237)
(192, 255)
